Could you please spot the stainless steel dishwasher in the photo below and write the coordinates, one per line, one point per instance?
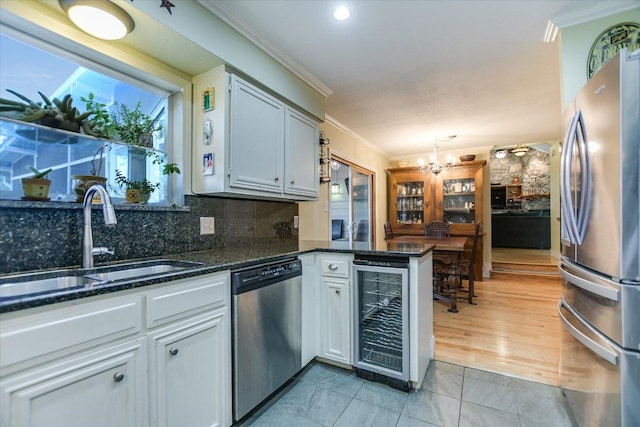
(267, 331)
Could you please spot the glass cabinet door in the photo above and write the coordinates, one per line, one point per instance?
(459, 200)
(410, 202)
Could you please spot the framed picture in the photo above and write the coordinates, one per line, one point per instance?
(208, 99)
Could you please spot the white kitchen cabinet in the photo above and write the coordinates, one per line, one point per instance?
(336, 314)
(257, 135)
(259, 146)
(85, 362)
(104, 388)
(336, 325)
(300, 145)
(188, 372)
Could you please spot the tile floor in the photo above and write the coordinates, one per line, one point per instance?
(452, 395)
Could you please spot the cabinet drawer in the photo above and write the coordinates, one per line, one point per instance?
(26, 338)
(187, 297)
(335, 267)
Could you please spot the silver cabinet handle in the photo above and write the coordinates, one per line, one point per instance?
(173, 351)
(337, 291)
(118, 376)
(606, 354)
(333, 267)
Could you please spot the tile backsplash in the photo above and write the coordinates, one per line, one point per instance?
(36, 236)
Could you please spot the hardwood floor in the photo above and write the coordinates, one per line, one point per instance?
(513, 330)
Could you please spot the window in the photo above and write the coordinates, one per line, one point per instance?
(26, 69)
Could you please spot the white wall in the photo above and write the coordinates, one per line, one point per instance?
(576, 42)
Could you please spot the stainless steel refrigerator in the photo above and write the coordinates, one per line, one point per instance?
(600, 265)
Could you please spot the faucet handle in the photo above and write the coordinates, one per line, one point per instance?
(101, 251)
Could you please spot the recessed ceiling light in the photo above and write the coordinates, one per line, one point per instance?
(341, 13)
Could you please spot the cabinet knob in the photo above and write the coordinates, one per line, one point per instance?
(276, 179)
(118, 376)
(337, 291)
(173, 351)
(333, 267)
(293, 181)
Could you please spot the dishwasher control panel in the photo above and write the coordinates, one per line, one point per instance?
(262, 275)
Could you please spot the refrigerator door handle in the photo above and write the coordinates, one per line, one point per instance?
(594, 288)
(585, 178)
(567, 212)
(606, 354)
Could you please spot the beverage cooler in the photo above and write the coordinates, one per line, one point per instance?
(381, 310)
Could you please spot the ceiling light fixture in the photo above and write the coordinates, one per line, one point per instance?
(550, 33)
(102, 19)
(520, 150)
(500, 154)
(434, 165)
(341, 13)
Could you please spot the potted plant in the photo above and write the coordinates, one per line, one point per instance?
(139, 191)
(36, 187)
(101, 122)
(82, 182)
(134, 127)
(56, 113)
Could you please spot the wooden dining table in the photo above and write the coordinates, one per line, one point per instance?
(447, 254)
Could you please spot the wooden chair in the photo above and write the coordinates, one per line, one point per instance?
(388, 232)
(467, 268)
(437, 230)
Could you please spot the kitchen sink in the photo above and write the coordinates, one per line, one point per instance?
(31, 283)
(133, 272)
(12, 289)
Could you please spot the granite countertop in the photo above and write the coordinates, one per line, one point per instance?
(209, 262)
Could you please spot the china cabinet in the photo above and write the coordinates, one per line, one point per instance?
(459, 195)
(409, 200)
(453, 196)
(459, 202)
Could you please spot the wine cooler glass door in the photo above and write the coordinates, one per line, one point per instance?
(382, 339)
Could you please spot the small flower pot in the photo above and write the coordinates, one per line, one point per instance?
(81, 184)
(146, 140)
(132, 195)
(36, 189)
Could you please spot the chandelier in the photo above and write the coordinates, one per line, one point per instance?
(434, 165)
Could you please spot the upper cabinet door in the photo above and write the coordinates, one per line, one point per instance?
(301, 151)
(256, 138)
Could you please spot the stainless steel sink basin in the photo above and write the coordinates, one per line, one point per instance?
(12, 289)
(131, 273)
(59, 280)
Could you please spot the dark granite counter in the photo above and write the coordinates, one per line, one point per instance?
(209, 262)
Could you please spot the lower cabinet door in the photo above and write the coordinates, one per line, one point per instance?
(190, 377)
(100, 389)
(336, 342)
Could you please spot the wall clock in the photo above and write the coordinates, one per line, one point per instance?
(609, 42)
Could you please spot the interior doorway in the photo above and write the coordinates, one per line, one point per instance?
(520, 197)
(351, 204)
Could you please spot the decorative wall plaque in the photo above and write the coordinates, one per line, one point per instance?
(609, 42)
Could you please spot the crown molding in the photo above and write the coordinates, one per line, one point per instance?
(336, 124)
(600, 10)
(227, 15)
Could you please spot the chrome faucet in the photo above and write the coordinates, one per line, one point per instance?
(109, 218)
